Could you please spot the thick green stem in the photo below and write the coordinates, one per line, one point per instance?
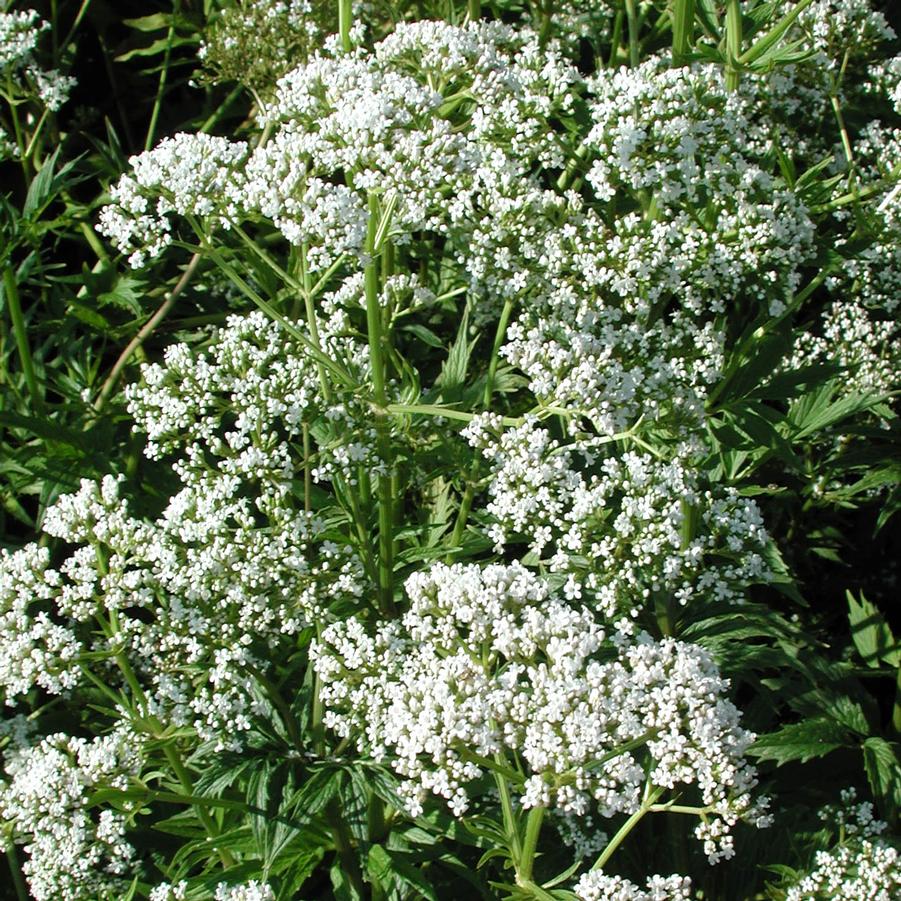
(530, 844)
(16, 873)
(11, 290)
(344, 848)
(474, 10)
(632, 19)
(184, 778)
(511, 824)
(379, 395)
(345, 19)
(733, 43)
(683, 28)
(616, 38)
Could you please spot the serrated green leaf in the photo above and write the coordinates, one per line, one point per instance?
(872, 635)
(880, 759)
(814, 737)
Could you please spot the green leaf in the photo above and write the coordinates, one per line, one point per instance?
(814, 737)
(453, 372)
(820, 409)
(880, 760)
(392, 870)
(872, 635)
(149, 23)
(424, 334)
(41, 186)
(342, 886)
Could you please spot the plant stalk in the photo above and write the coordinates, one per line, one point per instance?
(145, 331)
(530, 844)
(383, 441)
(164, 74)
(733, 43)
(632, 19)
(650, 798)
(345, 20)
(16, 872)
(184, 778)
(683, 30)
(11, 290)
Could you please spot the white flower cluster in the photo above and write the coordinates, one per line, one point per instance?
(188, 174)
(257, 41)
(389, 121)
(232, 567)
(74, 852)
(836, 27)
(488, 661)
(866, 347)
(248, 891)
(19, 33)
(596, 886)
(36, 649)
(625, 530)
(861, 867)
(617, 317)
(677, 139)
(243, 403)
(871, 275)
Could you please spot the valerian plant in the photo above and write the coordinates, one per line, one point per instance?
(448, 449)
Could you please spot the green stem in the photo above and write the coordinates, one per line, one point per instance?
(377, 363)
(474, 10)
(221, 109)
(616, 38)
(446, 412)
(650, 797)
(345, 20)
(36, 133)
(683, 27)
(184, 778)
(760, 46)
(15, 871)
(632, 19)
(733, 43)
(77, 21)
(530, 844)
(495, 351)
(344, 848)
(144, 332)
(511, 826)
(274, 314)
(164, 74)
(11, 290)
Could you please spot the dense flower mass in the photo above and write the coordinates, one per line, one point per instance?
(597, 886)
(861, 866)
(499, 439)
(488, 662)
(624, 530)
(75, 852)
(19, 35)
